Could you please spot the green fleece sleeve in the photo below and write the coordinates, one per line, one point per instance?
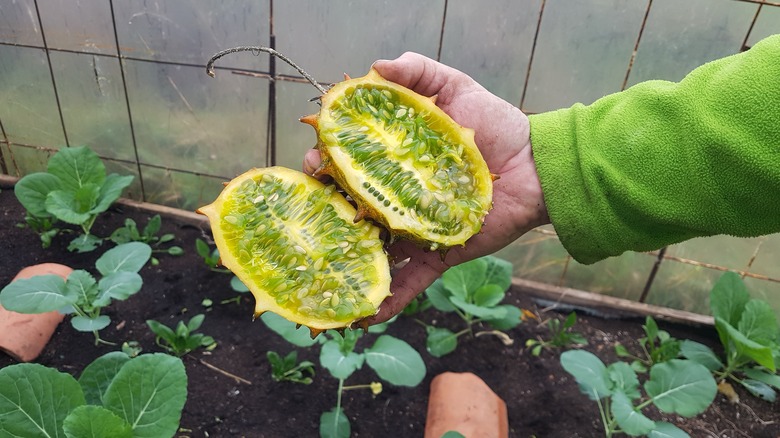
(664, 162)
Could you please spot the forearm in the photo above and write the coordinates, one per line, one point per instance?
(663, 162)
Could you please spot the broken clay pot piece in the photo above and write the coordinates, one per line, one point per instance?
(23, 336)
(464, 403)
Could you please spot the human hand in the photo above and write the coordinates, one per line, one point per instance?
(502, 133)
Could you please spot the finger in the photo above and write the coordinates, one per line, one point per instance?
(311, 161)
(418, 72)
(408, 282)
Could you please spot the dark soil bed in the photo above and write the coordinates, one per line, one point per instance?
(542, 400)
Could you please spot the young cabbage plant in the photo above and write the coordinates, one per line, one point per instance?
(115, 396)
(74, 189)
(677, 386)
(183, 339)
(130, 233)
(210, 257)
(394, 361)
(82, 295)
(288, 369)
(657, 346)
(561, 335)
(474, 291)
(748, 329)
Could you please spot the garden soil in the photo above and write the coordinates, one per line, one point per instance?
(232, 394)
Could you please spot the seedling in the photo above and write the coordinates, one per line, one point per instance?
(82, 294)
(288, 368)
(748, 330)
(392, 359)
(677, 386)
(210, 257)
(657, 346)
(130, 233)
(474, 291)
(74, 189)
(561, 336)
(183, 340)
(116, 396)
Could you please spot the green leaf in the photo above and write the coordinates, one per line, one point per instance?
(120, 285)
(76, 167)
(440, 341)
(440, 296)
(478, 311)
(202, 248)
(128, 257)
(175, 251)
(339, 364)
(651, 328)
(759, 389)
(161, 330)
(452, 434)
(39, 294)
(34, 400)
(758, 322)
(334, 424)
(589, 371)
(763, 376)
(237, 285)
(488, 295)
(511, 318)
(31, 191)
(149, 393)
(498, 271)
(700, 353)
(195, 322)
(95, 422)
(624, 379)
(744, 347)
(85, 243)
(621, 350)
(464, 279)
(153, 226)
(84, 324)
(82, 284)
(667, 430)
(96, 377)
(728, 298)
(110, 191)
(681, 386)
(396, 361)
(631, 421)
(64, 206)
(300, 337)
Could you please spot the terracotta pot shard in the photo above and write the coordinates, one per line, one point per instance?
(464, 403)
(23, 336)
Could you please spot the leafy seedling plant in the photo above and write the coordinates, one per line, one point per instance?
(74, 189)
(562, 335)
(748, 329)
(288, 369)
(183, 339)
(211, 259)
(130, 233)
(82, 295)
(474, 291)
(677, 386)
(394, 361)
(115, 396)
(657, 346)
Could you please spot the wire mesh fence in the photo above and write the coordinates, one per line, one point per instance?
(127, 79)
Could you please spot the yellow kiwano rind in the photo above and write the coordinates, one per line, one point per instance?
(293, 242)
(404, 161)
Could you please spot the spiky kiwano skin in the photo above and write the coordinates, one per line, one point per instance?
(293, 242)
(404, 161)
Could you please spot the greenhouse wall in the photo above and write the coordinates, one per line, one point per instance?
(127, 79)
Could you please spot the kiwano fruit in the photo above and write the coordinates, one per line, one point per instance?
(293, 242)
(303, 250)
(405, 162)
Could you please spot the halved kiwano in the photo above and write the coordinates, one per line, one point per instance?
(404, 161)
(293, 242)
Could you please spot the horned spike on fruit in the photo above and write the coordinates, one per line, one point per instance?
(297, 326)
(225, 183)
(361, 214)
(434, 98)
(494, 177)
(257, 315)
(346, 77)
(324, 169)
(313, 332)
(311, 119)
(363, 324)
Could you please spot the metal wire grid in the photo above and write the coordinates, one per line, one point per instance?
(272, 76)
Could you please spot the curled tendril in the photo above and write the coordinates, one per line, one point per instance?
(256, 50)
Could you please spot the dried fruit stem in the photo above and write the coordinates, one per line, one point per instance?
(256, 50)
